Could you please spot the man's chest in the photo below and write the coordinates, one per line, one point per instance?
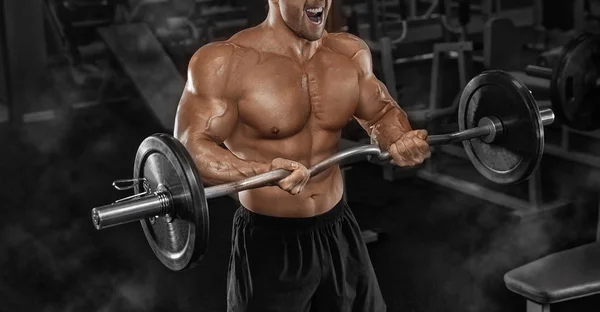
(279, 93)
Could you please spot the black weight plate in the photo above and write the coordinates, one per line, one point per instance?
(180, 243)
(575, 84)
(515, 154)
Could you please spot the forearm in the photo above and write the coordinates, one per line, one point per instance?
(218, 165)
(387, 128)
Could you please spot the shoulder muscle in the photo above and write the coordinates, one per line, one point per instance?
(353, 47)
(209, 67)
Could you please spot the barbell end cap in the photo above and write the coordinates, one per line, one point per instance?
(547, 116)
(96, 219)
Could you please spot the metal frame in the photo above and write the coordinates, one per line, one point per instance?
(538, 14)
(563, 150)
(537, 307)
(464, 50)
(579, 18)
(521, 17)
(598, 226)
(6, 97)
(387, 66)
(23, 53)
(373, 9)
(534, 204)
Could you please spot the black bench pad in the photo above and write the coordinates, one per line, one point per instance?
(558, 277)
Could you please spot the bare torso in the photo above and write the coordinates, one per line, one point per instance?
(293, 108)
(275, 100)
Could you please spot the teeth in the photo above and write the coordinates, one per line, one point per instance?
(315, 11)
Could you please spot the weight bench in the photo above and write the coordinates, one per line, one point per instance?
(562, 276)
(558, 277)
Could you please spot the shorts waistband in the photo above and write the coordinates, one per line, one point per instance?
(285, 223)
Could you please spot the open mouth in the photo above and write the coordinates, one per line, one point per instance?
(315, 15)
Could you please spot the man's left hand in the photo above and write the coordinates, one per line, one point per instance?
(411, 149)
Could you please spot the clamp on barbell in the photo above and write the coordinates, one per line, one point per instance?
(131, 184)
(128, 208)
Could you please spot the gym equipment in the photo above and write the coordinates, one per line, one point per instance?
(500, 49)
(23, 62)
(510, 102)
(437, 24)
(498, 116)
(442, 52)
(550, 57)
(80, 18)
(575, 92)
(574, 83)
(171, 188)
(561, 276)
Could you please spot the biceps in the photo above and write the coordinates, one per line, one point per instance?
(204, 117)
(374, 100)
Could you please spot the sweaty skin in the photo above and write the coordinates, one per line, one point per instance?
(277, 96)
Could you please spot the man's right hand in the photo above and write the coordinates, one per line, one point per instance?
(297, 180)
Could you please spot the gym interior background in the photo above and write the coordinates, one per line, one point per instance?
(83, 82)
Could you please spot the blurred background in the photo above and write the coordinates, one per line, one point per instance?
(83, 82)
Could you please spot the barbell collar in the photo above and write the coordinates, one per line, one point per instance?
(156, 204)
(495, 127)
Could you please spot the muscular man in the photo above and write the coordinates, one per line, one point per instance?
(277, 96)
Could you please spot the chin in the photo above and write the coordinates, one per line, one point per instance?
(314, 36)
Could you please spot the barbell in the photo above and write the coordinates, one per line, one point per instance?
(500, 126)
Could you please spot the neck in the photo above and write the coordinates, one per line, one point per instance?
(285, 38)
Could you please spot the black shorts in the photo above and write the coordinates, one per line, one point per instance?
(319, 263)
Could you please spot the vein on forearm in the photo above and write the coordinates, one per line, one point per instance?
(389, 124)
(218, 165)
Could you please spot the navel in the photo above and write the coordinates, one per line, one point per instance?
(274, 130)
